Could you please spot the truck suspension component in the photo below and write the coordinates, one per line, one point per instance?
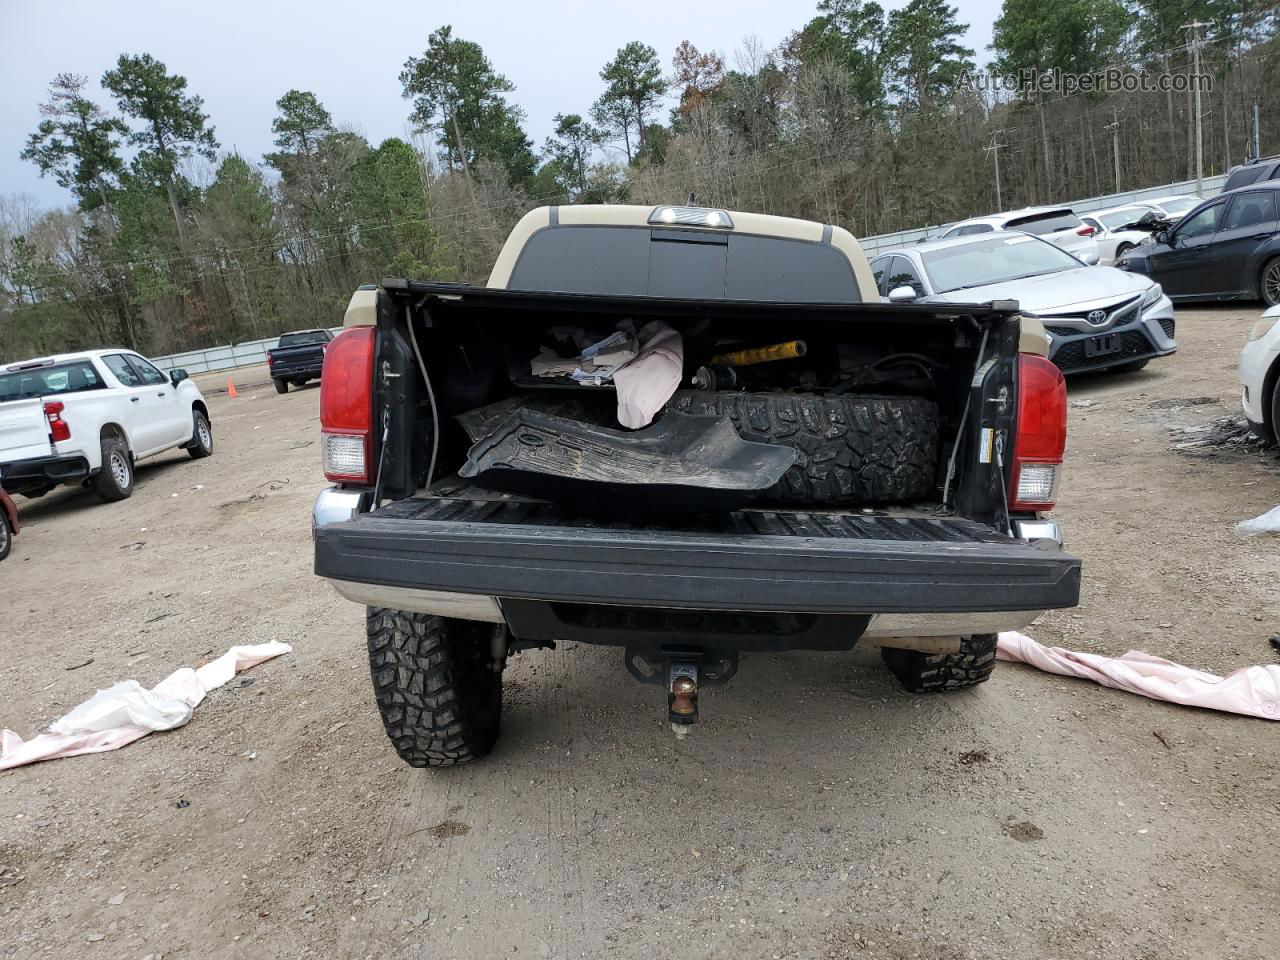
(714, 378)
(788, 350)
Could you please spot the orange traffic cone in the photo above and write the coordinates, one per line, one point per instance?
(231, 388)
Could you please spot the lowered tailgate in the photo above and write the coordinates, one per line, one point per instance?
(24, 431)
(812, 562)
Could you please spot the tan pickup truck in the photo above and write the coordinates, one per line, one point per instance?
(689, 434)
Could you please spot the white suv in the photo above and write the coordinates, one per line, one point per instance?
(88, 417)
(1059, 225)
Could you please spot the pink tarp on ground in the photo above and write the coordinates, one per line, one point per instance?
(1252, 691)
(126, 712)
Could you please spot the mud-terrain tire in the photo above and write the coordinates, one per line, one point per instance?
(440, 701)
(938, 672)
(863, 449)
(282, 386)
(115, 480)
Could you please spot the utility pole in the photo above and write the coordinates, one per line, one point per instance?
(1114, 128)
(1257, 136)
(1197, 41)
(994, 150)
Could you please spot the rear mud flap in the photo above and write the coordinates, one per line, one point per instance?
(682, 464)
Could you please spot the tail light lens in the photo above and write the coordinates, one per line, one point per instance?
(1085, 231)
(59, 429)
(346, 406)
(1042, 434)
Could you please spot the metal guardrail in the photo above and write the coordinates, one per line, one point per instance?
(905, 238)
(212, 359)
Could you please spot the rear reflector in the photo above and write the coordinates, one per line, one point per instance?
(346, 406)
(1042, 434)
(59, 429)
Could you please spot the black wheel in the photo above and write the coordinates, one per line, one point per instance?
(1132, 367)
(434, 682)
(863, 449)
(115, 480)
(1269, 284)
(6, 537)
(1121, 251)
(282, 386)
(201, 437)
(937, 672)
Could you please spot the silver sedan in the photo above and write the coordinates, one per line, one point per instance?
(1097, 317)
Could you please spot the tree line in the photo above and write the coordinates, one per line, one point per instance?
(862, 117)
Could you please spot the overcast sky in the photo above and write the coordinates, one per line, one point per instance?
(241, 56)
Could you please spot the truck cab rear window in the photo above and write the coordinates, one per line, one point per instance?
(303, 339)
(639, 262)
(71, 377)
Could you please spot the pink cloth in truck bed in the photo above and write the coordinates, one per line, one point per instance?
(646, 383)
(1252, 691)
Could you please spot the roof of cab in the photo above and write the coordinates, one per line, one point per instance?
(635, 215)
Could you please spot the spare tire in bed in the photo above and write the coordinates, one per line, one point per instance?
(852, 449)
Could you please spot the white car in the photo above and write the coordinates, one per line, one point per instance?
(1260, 376)
(87, 418)
(1059, 225)
(1171, 208)
(1113, 241)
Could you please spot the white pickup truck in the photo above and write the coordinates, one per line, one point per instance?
(86, 418)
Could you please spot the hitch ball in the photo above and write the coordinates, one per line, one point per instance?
(682, 701)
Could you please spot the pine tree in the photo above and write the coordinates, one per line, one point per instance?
(171, 125)
(457, 94)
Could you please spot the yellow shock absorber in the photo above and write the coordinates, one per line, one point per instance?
(745, 358)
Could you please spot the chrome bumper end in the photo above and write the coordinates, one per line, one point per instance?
(1038, 532)
(335, 505)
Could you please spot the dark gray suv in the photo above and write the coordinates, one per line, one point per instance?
(1268, 168)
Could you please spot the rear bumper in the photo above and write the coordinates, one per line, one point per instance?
(846, 565)
(289, 370)
(41, 473)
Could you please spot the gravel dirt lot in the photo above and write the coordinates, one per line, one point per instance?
(818, 812)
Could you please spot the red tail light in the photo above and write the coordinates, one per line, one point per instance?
(59, 429)
(346, 406)
(1085, 231)
(1042, 434)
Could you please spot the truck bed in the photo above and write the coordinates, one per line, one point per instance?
(830, 562)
